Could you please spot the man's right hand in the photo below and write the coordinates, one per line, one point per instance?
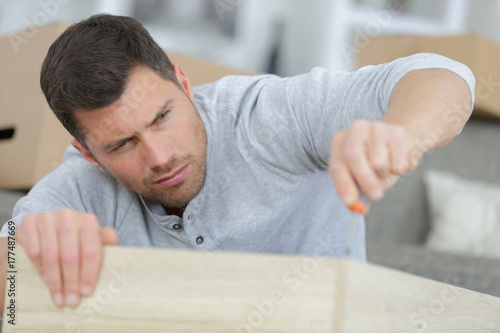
(66, 248)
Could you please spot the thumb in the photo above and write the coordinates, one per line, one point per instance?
(109, 236)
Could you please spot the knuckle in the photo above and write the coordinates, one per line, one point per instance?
(50, 256)
(69, 257)
(48, 220)
(379, 164)
(91, 251)
(66, 225)
(378, 132)
(378, 127)
(65, 213)
(352, 153)
(65, 210)
(90, 221)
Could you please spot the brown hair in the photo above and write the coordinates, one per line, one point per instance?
(88, 66)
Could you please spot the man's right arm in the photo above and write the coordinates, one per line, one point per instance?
(60, 224)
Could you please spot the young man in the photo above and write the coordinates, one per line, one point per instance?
(241, 164)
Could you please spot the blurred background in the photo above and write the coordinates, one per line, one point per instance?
(285, 37)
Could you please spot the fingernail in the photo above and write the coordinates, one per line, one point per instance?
(58, 299)
(86, 290)
(376, 194)
(71, 299)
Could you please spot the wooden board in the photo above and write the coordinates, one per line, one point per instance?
(157, 290)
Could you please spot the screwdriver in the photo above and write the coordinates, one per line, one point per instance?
(358, 209)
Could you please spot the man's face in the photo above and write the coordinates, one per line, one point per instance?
(152, 140)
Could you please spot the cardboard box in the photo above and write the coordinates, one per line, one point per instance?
(479, 54)
(32, 140)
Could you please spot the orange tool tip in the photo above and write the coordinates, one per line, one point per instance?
(358, 207)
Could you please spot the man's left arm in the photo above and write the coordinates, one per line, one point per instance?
(427, 108)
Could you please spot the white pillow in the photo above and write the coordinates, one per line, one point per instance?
(465, 215)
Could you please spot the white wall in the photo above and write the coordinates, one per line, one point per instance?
(484, 19)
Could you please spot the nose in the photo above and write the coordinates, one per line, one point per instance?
(156, 152)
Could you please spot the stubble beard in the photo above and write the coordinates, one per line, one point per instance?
(178, 196)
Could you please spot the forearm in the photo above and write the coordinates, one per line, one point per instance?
(434, 104)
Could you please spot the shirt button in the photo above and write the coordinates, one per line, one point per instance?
(177, 226)
(199, 240)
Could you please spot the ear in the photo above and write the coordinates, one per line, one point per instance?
(86, 154)
(183, 80)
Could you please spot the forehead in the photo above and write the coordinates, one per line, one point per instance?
(145, 93)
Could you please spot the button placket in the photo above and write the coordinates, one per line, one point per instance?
(199, 240)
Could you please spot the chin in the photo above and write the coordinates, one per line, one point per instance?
(173, 200)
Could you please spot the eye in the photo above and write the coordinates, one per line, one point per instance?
(121, 145)
(163, 115)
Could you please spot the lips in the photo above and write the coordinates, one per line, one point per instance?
(175, 178)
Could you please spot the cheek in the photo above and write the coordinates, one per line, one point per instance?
(185, 137)
(127, 172)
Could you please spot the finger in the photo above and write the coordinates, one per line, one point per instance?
(341, 176)
(50, 256)
(27, 235)
(70, 257)
(109, 236)
(91, 254)
(355, 155)
(378, 150)
(344, 182)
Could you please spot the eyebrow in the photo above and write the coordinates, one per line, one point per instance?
(161, 110)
